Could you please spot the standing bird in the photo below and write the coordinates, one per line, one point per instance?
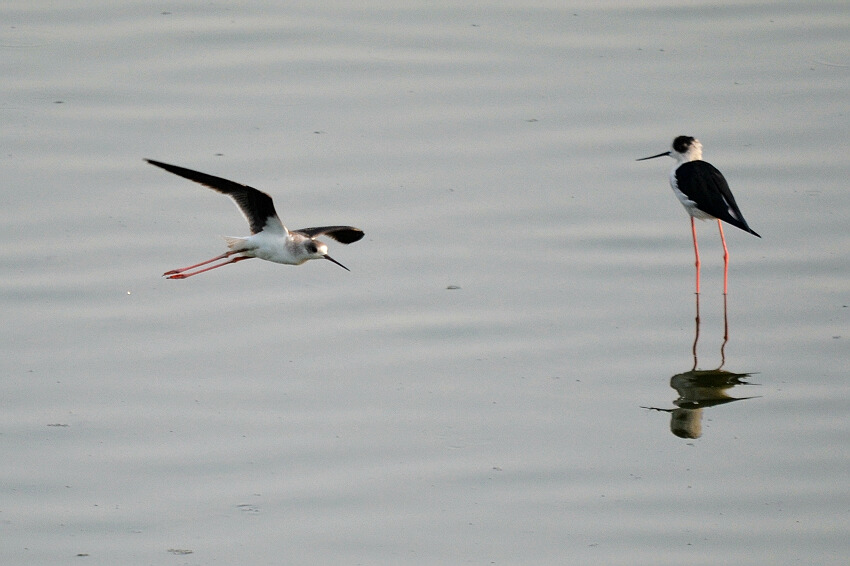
(269, 239)
(704, 193)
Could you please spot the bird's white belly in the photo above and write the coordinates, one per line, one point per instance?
(274, 248)
(279, 255)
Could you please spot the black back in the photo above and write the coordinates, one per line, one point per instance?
(703, 184)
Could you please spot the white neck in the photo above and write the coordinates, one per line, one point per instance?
(694, 153)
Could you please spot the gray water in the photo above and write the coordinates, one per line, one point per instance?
(493, 382)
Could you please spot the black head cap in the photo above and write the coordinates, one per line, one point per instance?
(682, 143)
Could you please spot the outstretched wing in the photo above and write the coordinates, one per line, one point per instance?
(256, 206)
(343, 234)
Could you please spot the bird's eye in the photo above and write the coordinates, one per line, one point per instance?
(311, 247)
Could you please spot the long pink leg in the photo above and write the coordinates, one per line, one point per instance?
(182, 269)
(184, 275)
(696, 249)
(725, 259)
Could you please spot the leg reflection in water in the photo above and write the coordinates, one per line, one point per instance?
(699, 389)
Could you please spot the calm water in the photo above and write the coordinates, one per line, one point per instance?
(265, 414)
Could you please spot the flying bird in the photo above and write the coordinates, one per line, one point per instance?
(269, 239)
(704, 193)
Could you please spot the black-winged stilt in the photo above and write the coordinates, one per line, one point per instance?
(269, 239)
(704, 193)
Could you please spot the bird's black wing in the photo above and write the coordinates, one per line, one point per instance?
(703, 184)
(343, 234)
(256, 206)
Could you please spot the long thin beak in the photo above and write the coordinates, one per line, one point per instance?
(329, 258)
(665, 154)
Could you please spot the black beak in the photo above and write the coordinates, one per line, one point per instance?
(665, 154)
(329, 258)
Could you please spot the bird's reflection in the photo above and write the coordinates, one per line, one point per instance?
(699, 389)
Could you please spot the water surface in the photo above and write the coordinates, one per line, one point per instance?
(474, 390)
